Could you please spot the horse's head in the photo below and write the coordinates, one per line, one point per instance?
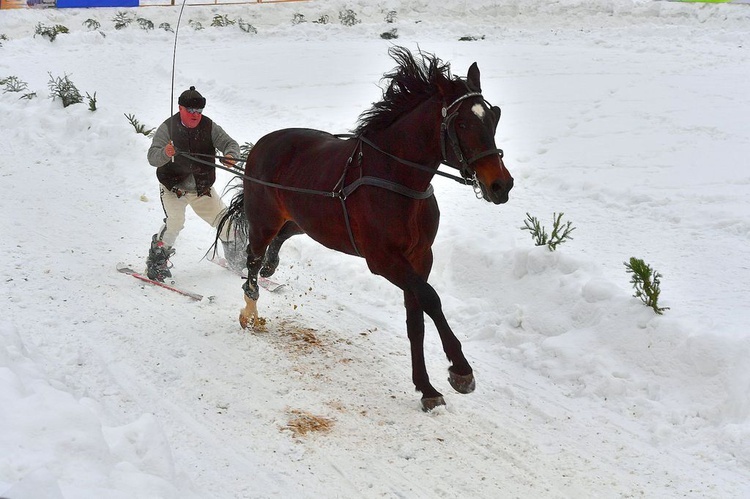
(468, 139)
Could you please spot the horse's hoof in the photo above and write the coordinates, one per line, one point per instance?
(462, 383)
(266, 271)
(243, 321)
(429, 403)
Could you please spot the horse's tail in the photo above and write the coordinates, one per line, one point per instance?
(234, 220)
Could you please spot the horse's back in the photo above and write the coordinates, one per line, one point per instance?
(289, 153)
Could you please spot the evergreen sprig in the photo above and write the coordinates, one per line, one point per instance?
(65, 90)
(560, 232)
(50, 32)
(348, 17)
(92, 24)
(247, 27)
(13, 84)
(145, 24)
(646, 283)
(139, 127)
(222, 21)
(92, 101)
(122, 20)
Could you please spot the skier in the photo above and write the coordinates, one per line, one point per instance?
(185, 182)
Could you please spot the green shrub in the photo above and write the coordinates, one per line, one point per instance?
(92, 24)
(389, 35)
(348, 17)
(560, 233)
(222, 21)
(471, 38)
(139, 128)
(122, 20)
(92, 101)
(65, 90)
(50, 32)
(247, 27)
(13, 84)
(145, 23)
(646, 283)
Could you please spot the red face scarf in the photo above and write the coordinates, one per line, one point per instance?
(190, 120)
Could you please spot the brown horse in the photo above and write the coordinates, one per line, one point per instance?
(370, 194)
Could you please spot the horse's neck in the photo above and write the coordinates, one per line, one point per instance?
(415, 137)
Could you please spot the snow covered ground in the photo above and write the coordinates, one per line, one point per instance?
(629, 117)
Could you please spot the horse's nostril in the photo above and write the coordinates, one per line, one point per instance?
(501, 186)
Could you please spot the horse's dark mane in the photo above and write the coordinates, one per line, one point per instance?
(412, 82)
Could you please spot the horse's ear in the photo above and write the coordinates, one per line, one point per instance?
(472, 78)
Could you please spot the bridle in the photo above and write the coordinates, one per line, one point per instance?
(448, 134)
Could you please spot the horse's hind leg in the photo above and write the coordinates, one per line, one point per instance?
(271, 259)
(260, 234)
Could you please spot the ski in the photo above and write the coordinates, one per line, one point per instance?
(121, 267)
(264, 282)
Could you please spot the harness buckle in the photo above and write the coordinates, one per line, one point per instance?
(477, 188)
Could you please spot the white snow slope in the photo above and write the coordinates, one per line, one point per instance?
(631, 118)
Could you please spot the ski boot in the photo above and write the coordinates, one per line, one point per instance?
(157, 264)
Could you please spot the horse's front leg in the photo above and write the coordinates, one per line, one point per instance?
(460, 374)
(431, 398)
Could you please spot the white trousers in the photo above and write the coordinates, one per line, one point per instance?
(209, 208)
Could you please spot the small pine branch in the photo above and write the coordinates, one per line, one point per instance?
(145, 23)
(560, 233)
(139, 128)
(197, 26)
(166, 27)
(92, 24)
(65, 90)
(536, 229)
(298, 19)
(222, 21)
(390, 17)
(50, 32)
(122, 20)
(13, 84)
(247, 27)
(348, 17)
(92, 101)
(390, 34)
(470, 38)
(646, 283)
(324, 19)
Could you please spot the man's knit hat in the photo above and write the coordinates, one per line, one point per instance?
(192, 98)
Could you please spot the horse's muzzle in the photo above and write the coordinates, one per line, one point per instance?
(499, 191)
